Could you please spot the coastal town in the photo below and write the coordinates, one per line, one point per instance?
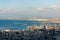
(45, 19)
(56, 20)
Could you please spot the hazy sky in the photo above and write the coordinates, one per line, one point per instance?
(29, 8)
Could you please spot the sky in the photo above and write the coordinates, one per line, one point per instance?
(29, 8)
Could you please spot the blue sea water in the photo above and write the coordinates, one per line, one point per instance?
(17, 24)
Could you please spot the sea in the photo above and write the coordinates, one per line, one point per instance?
(18, 24)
